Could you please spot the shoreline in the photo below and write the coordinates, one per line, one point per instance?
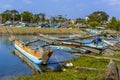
(35, 31)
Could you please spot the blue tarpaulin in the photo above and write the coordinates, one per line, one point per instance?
(58, 58)
(97, 39)
(99, 45)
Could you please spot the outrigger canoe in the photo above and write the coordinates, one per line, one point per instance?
(35, 56)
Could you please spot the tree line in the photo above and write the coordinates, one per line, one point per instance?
(29, 17)
(97, 18)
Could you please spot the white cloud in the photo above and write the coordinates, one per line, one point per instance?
(28, 1)
(112, 2)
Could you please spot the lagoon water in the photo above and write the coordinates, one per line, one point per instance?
(10, 65)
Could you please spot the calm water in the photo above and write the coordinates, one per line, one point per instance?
(10, 65)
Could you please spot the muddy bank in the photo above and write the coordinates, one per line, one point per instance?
(34, 31)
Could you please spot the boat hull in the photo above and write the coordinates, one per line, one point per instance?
(66, 49)
(29, 56)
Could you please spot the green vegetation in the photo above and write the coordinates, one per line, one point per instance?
(114, 24)
(94, 24)
(71, 74)
(95, 19)
(98, 16)
(26, 16)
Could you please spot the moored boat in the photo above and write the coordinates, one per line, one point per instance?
(35, 56)
(66, 49)
(99, 45)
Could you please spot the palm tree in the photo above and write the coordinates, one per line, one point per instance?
(36, 18)
(27, 16)
(0, 19)
(60, 18)
(53, 20)
(15, 15)
(42, 17)
(6, 15)
(10, 15)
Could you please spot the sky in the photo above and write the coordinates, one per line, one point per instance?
(68, 8)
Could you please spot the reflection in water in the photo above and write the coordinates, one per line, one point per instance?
(36, 68)
(10, 65)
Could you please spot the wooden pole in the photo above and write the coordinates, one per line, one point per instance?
(96, 57)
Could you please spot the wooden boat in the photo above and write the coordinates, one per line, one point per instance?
(65, 48)
(112, 41)
(94, 31)
(36, 56)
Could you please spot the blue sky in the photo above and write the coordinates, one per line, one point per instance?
(67, 8)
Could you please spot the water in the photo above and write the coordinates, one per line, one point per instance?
(10, 65)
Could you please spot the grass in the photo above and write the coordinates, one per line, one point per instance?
(68, 75)
(71, 74)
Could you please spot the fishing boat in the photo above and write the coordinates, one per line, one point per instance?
(94, 31)
(65, 48)
(111, 42)
(36, 56)
(99, 45)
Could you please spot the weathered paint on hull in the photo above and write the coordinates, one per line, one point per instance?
(29, 56)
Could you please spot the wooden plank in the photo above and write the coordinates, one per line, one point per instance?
(114, 47)
(56, 42)
(91, 49)
(119, 71)
(96, 57)
(111, 72)
(27, 43)
(78, 68)
(69, 38)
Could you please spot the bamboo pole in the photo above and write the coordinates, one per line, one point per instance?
(78, 68)
(96, 57)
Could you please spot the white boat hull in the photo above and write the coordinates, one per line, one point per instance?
(29, 56)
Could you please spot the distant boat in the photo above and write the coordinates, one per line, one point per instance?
(33, 55)
(94, 31)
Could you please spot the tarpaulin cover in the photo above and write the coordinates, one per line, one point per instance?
(99, 45)
(58, 57)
